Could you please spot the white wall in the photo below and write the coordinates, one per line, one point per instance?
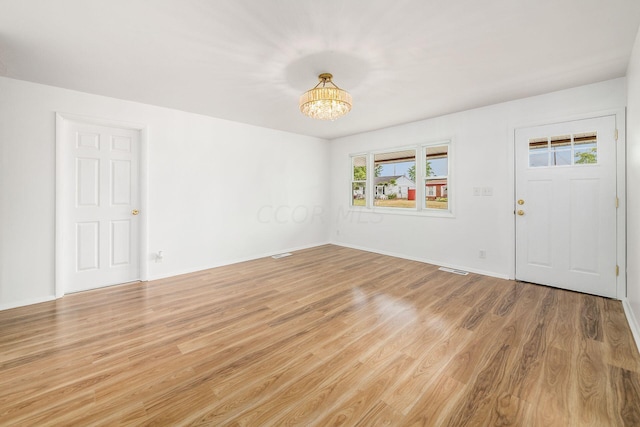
(219, 191)
(633, 190)
(482, 157)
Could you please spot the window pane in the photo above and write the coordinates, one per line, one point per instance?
(560, 150)
(437, 194)
(437, 162)
(358, 181)
(359, 168)
(538, 152)
(394, 177)
(585, 147)
(359, 193)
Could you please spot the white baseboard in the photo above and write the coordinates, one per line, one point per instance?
(173, 273)
(425, 260)
(233, 261)
(633, 322)
(26, 302)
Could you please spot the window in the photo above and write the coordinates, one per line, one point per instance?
(359, 180)
(392, 180)
(538, 152)
(560, 150)
(436, 176)
(401, 177)
(585, 148)
(564, 150)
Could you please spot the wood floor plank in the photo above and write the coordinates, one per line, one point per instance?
(552, 405)
(524, 370)
(327, 336)
(507, 302)
(243, 395)
(319, 398)
(480, 309)
(565, 328)
(466, 363)
(621, 350)
(591, 376)
(380, 415)
(591, 318)
(436, 403)
(419, 379)
(366, 394)
(476, 404)
(626, 387)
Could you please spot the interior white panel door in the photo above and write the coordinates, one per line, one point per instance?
(101, 210)
(566, 205)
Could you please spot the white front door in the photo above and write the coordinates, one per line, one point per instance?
(100, 202)
(566, 205)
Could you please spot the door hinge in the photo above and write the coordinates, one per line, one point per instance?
(616, 134)
(617, 203)
(617, 270)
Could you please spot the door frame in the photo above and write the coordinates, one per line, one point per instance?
(62, 213)
(621, 222)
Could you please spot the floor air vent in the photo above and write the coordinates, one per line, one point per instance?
(278, 256)
(454, 271)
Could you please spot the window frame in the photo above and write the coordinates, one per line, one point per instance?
(420, 208)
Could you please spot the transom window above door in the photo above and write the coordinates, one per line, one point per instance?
(564, 150)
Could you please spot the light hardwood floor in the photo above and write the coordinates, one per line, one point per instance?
(328, 336)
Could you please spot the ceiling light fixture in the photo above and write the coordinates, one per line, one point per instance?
(325, 102)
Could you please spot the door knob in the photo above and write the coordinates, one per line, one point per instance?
(135, 212)
(521, 202)
(520, 212)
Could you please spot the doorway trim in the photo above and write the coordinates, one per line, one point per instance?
(62, 122)
(621, 222)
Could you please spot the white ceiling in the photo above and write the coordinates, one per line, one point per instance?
(250, 60)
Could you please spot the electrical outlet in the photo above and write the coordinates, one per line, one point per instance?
(487, 191)
(482, 254)
(477, 191)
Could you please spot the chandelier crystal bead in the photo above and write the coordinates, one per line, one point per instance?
(325, 102)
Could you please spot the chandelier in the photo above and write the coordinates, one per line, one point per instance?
(326, 101)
